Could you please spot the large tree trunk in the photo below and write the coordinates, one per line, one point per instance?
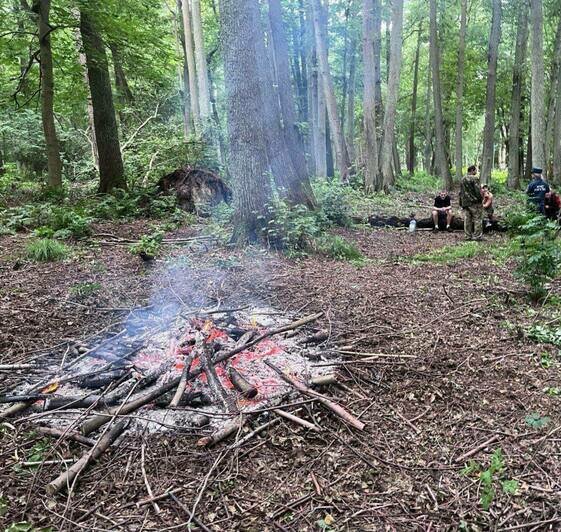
(248, 153)
(371, 181)
(182, 72)
(518, 75)
(538, 80)
(460, 91)
(411, 150)
(350, 136)
(200, 59)
(387, 168)
(554, 97)
(111, 171)
(377, 60)
(54, 162)
(326, 80)
(190, 55)
(300, 189)
(489, 129)
(441, 160)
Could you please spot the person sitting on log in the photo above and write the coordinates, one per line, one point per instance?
(552, 205)
(488, 204)
(442, 210)
(537, 189)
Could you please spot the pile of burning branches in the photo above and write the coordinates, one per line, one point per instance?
(206, 374)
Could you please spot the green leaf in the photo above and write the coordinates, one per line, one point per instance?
(510, 487)
(537, 421)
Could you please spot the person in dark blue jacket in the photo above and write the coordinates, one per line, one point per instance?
(537, 189)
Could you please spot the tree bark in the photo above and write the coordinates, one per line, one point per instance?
(411, 150)
(201, 66)
(440, 152)
(248, 154)
(518, 79)
(427, 150)
(350, 137)
(123, 89)
(387, 168)
(377, 61)
(489, 129)
(538, 80)
(300, 189)
(54, 163)
(460, 91)
(552, 115)
(111, 171)
(182, 73)
(190, 55)
(341, 155)
(371, 181)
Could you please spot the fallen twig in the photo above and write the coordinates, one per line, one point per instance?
(475, 450)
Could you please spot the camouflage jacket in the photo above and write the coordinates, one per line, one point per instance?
(470, 191)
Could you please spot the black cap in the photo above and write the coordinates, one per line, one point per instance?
(536, 170)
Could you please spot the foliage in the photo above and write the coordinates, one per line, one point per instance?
(490, 477)
(537, 253)
(335, 201)
(148, 246)
(337, 247)
(537, 421)
(85, 289)
(450, 254)
(46, 250)
(544, 334)
(419, 182)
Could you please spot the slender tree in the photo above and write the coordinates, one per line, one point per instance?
(191, 68)
(460, 90)
(555, 89)
(377, 60)
(427, 149)
(326, 81)
(350, 136)
(54, 163)
(111, 171)
(371, 181)
(489, 129)
(441, 160)
(538, 79)
(411, 149)
(248, 152)
(518, 75)
(389, 168)
(200, 59)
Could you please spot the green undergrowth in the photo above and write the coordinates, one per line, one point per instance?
(458, 252)
(46, 250)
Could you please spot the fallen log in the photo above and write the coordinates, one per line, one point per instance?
(67, 478)
(241, 384)
(457, 223)
(328, 403)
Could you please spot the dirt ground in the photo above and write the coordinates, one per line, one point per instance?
(467, 384)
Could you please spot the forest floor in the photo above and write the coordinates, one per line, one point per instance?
(475, 377)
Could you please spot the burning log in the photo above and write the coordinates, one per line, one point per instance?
(99, 381)
(214, 384)
(328, 403)
(241, 384)
(183, 382)
(69, 476)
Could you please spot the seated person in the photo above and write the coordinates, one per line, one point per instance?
(442, 210)
(488, 204)
(552, 205)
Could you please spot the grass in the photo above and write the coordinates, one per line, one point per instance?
(46, 250)
(449, 254)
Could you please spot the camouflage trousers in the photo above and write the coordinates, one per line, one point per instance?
(473, 217)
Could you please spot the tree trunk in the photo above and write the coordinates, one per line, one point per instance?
(190, 55)
(183, 73)
(387, 168)
(302, 107)
(538, 80)
(300, 189)
(371, 181)
(460, 91)
(427, 150)
(326, 80)
(111, 171)
(350, 137)
(441, 161)
(123, 90)
(552, 116)
(377, 61)
(411, 150)
(518, 75)
(201, 66)
(248, 153)
(489, 129)
(54, 162)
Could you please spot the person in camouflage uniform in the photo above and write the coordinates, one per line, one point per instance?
(472, 204)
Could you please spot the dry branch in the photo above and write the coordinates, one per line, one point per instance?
(65, 479)
(328, 403)
(51, 431)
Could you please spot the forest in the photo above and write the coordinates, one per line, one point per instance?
(280, 265)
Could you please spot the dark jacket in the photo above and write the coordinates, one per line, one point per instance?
(537, 189)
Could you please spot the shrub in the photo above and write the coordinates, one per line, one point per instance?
(148, 246)
(47, 250)
(338, 247)
(419, 182)
(335, 201)
(537, 254)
